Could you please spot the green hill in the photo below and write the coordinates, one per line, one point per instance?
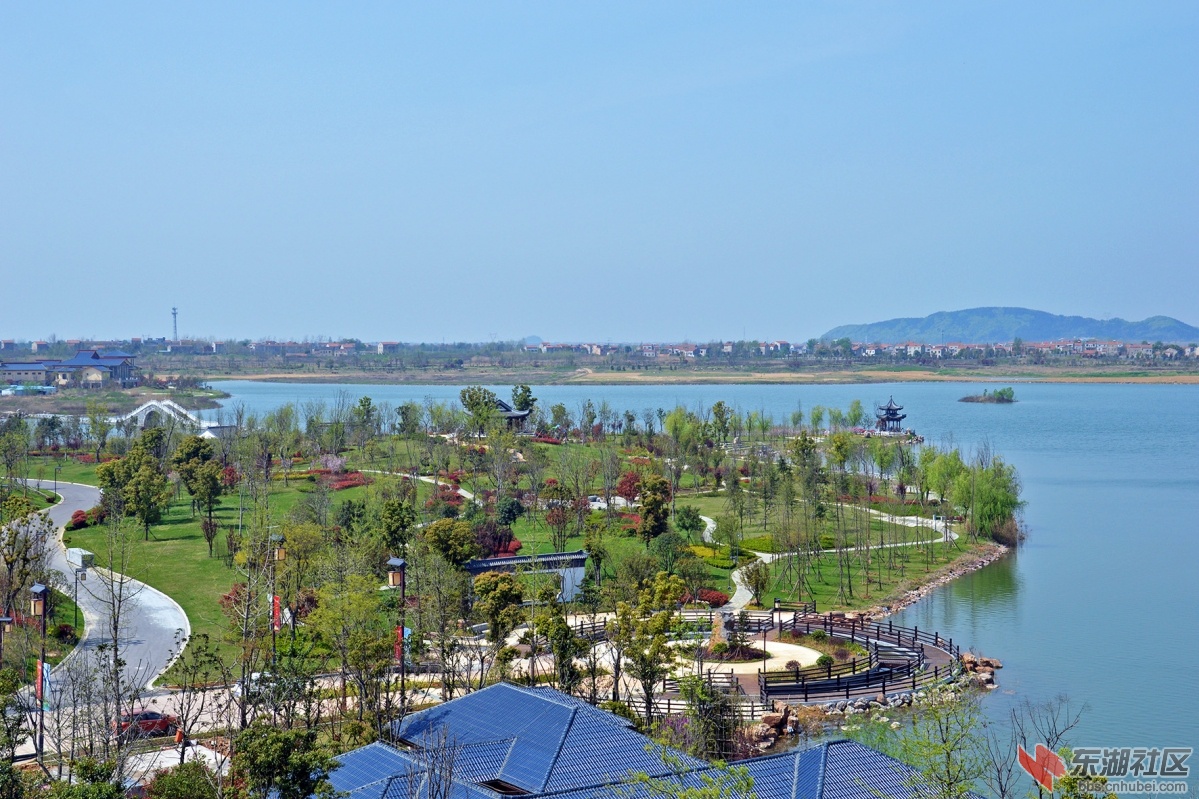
(991, 325)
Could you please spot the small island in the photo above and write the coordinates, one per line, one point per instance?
(998, 396)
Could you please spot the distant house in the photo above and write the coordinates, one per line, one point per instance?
(24, 373)
(86, 369)
(507, 740)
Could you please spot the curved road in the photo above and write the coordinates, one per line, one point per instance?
(150, 618)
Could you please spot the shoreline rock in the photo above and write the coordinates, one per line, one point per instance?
(994, 553)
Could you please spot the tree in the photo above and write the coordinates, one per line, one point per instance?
(757, 578)
(396, 519)
(198, 667)
(287, 764)
(349, 620)
(480, 403)
(945, 746)
(190, 780)
(655, 507)
(455, 540)
(499, 601)
(668, 548)
(688, 521)
(207, 486)
(192, 453)
(522, 398)
(629, 486)
(508, 510)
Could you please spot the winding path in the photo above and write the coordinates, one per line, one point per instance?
(150, 618)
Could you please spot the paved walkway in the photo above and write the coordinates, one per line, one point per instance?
(150, 617)
(743, 595)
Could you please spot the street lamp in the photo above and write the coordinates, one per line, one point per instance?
(5, 629)
(37, 609)
(397, 569)
(80, 576)
(57, 469)
(278, 555)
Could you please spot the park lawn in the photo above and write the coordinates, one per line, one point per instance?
(70, 470)
(890, 534)
(175, 560)
(916, 571)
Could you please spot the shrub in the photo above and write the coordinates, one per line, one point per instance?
(825, 660)
(841, 653)
(793, 665)
(817, 635)
(78, 520)
(713, 598)
(719, 648)
(97, 515)
(65, 634)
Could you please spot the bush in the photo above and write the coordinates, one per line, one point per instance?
(817, 635)
(97, 515)
(841, 653)
(719, 648)
(825, 660)
(713, 598)
(793, 665)
(78, 520)
(65, 634)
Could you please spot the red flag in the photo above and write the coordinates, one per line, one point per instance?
(38, 690)
(276, 614)
(399, 644)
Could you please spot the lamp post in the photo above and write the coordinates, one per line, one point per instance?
(80, 575)
(5, 629)
(278, 555)
(37, 609)
(57, 468)
(396, 573)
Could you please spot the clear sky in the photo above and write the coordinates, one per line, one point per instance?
(591, 171)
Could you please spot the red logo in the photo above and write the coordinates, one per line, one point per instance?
(1044, 767)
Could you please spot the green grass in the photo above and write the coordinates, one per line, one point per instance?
(70, 470)
(175, 560)
(823, 588)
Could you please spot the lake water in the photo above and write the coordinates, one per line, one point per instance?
(1102, 603)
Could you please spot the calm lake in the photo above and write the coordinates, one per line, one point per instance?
(1102, 603)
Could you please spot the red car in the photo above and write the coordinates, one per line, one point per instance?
(147, 722)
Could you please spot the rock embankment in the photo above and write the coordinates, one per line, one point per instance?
(992, 553)
(981, 670)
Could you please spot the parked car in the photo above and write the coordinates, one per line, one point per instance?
(258, 684)
(143, 722)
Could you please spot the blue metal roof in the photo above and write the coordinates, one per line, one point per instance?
(546, 743)
(365, 772)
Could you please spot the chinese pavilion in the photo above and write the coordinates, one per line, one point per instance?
(890, 420)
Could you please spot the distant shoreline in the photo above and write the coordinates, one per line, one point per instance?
(604, 378)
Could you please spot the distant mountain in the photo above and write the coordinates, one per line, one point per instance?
(992, 325)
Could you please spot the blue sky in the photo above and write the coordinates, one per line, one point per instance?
(602, 171)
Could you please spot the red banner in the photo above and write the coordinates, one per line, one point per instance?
(399, 644)
(276, 614)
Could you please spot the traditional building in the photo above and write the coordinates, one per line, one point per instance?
(86, 369)
(890, 420)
